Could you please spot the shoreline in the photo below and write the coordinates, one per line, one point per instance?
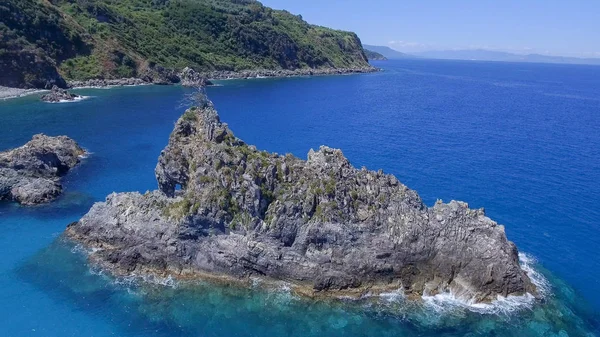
(219, 75)
(283, 73)
(7, 93)
(303, 290)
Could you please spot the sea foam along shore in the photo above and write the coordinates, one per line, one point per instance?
(502, 305)
(7, 93)
(395, 301)
(76, 99)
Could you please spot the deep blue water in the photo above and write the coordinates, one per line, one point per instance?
(521, 140)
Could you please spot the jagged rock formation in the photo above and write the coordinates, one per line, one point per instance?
(188, 77)
(31, 173)
(225, 208)
(59, 95)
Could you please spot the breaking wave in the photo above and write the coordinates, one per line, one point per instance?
(449, 303)
(76, 99)
(502, 305)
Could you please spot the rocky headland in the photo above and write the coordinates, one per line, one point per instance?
(31, 174)
(225, 208)
(374, 56)
(57, 95)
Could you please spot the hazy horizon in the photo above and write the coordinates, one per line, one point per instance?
(552, 28)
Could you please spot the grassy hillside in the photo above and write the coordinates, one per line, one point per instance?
(375, 56)
(84, 39)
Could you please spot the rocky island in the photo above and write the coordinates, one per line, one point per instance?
(224, 208)
(31, 173)
(57, 95)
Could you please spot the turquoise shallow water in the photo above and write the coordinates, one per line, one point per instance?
(522, 140)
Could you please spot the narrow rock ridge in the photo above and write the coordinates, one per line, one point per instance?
(225, 208)
(31, 174)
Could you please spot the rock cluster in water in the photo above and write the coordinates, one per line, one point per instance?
(225, 208)
(31, 173)
(59, 95)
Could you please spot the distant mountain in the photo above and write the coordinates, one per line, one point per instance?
(489, 55)
(374, 56)
(387, 52)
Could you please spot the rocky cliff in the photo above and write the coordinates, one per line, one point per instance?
(225, 208)
(43, 43)
(31, 173)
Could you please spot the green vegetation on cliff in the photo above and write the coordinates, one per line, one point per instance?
(375, 56)
(42, 40)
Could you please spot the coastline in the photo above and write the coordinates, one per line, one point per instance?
(9, 93)
(227, 75)
(281, 73)
(300, 289)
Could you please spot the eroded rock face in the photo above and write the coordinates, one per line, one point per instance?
(59, 95)
(31, 173)
(191, 78)
(223, 207)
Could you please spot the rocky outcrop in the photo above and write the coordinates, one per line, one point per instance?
(31, 173)
(159, 75)
(57, 95)
(190, 78)
(225, 208)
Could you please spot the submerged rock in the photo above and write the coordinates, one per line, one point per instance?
(225, 208)
(59, 95)
(31, 173)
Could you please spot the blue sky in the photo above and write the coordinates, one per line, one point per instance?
(567, 27)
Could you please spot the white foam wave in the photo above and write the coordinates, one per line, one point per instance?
(136, 279)
(393, 296)
(76, 99)
(81, 249)
(447, 303)
(502, 305)
(543, 286)
(86, 154)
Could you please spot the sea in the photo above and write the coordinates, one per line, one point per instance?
(521, 140)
